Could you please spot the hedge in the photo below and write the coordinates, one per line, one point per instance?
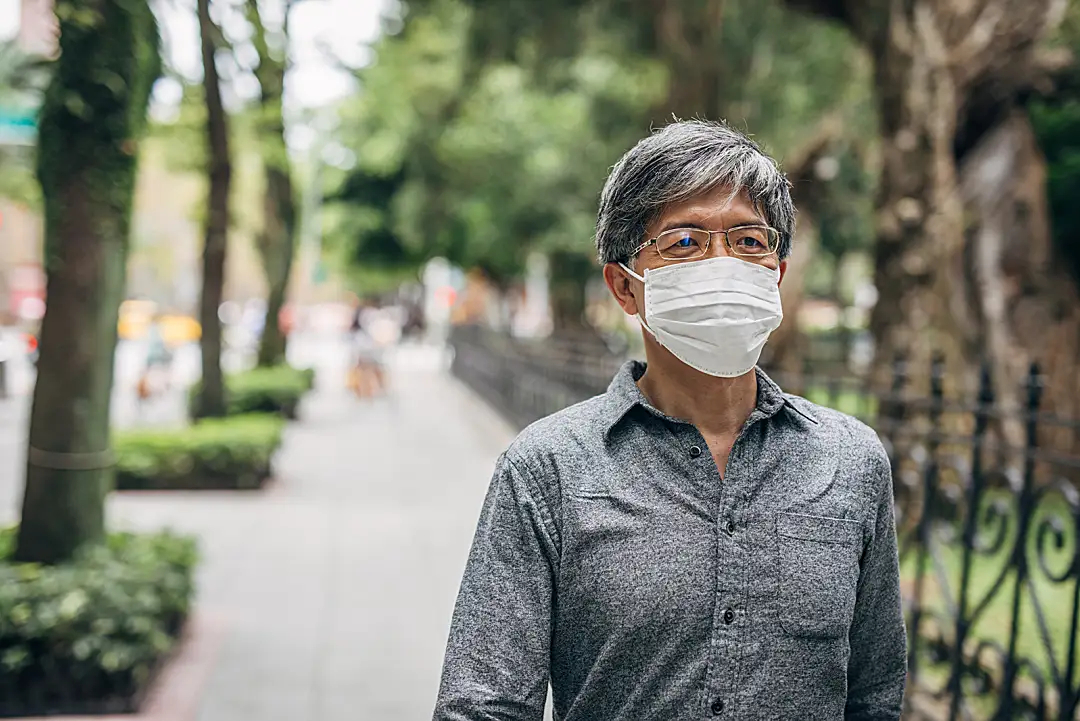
(86, 637)
(265, 390)
(215, 453)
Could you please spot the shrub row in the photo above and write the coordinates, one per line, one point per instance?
(87, 636)
(265, 390)
(215, 453)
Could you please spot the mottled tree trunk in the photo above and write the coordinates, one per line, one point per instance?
(948, 74)
(211, 398)
(786, 349)
(88, 142)
(570, 273)
(685, 35)
(276, 242)
(277, 249)
(1021, 301)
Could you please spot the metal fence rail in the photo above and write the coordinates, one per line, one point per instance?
(988, 530)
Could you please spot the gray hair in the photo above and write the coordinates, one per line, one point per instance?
(678, 162)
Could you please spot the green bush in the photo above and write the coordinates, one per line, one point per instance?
(215, 453)
(86, 637)
(265, 390)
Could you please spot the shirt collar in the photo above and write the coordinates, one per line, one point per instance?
(623, 395)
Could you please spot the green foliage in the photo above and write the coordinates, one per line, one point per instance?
(1056, 122)
(22, 81)
(482, 163)
(484, 131)
(845, 210)
(215, 453)
(277, 389)
(85, 636)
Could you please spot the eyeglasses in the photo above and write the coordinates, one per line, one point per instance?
(750, 242)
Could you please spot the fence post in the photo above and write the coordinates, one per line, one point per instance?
(1019, 551)
(891, 410)
(974, 495)
(922, 532)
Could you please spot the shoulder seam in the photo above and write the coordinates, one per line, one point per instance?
(521, 467)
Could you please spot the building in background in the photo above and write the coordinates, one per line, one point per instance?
(39, 32)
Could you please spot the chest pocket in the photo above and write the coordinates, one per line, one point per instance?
(819, 572)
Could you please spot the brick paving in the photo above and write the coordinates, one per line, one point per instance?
(333, 589)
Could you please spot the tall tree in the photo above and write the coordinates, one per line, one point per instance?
(277, 243)
(602, 70)
(965, 262)
(211, 398)
(93, 117)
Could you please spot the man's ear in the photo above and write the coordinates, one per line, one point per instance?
(625, 288)
(783, 271)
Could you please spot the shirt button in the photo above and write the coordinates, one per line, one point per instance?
(729, 616)
(695, 451)
(731, 527)
(717, 707)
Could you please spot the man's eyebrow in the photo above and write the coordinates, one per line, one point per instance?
(691, 224)
(681, 224)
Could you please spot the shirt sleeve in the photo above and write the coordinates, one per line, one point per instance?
(498, 655)
(877, 669)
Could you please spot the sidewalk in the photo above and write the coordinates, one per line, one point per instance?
(333, 589)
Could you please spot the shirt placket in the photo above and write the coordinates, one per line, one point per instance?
(730, 614)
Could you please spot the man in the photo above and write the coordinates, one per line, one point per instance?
(693, 544)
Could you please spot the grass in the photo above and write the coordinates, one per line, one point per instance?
(992, 575)
(853, 402)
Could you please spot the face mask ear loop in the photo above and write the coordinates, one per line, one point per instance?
(625, 267)
(640, 317)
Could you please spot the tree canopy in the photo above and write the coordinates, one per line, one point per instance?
(484, 131)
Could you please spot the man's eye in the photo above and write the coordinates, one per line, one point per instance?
(684, 242)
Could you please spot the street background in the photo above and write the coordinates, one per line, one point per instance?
(355, 257)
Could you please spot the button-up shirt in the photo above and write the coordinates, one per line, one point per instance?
(612, 561)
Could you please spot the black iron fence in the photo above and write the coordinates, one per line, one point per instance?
(988, 515)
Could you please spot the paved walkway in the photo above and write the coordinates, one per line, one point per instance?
(334, 588)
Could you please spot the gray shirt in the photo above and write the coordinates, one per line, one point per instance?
(612, 561)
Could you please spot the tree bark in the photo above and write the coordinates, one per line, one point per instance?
(277, 240)
(786, 348)
(1022, 302)
(684, 35)
(87, 147)
(947, 74)
(211, 398)
(570, 272)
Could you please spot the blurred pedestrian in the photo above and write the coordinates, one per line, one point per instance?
(366, 377)
(155, 379)
(694, 543)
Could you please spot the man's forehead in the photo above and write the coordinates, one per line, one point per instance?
(716, 204)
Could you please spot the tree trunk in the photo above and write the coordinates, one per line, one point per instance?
(786, 349)
(684, 34)
(277, 250)
(1023, 303)
(570, 272)
(88, 141)
(947, 74)
(211, 399)
(277, 240)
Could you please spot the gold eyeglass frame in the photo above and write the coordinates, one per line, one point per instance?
(771, 230)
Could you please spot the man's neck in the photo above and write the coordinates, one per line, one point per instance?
(716, 406)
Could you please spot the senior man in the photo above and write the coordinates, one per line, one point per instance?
(694, 543)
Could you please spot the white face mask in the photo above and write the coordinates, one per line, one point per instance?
(715, 314)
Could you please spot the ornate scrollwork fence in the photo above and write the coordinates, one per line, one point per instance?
(989, 531)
